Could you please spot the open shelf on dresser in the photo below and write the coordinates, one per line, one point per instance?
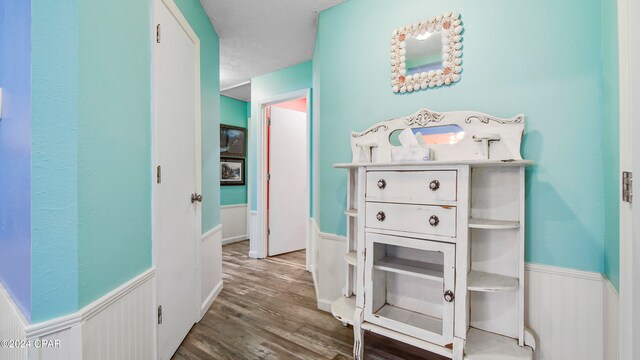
(410, 267)
(351, 212)
(351, 258)
(483, 345)
(344, 308)
(488, 282)
(476, 223)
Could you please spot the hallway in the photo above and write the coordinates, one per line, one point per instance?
(267, 310)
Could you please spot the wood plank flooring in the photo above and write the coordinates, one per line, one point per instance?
(267, 310)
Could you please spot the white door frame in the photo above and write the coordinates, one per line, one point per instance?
(629, 62)
(177, 14)
(262, 243)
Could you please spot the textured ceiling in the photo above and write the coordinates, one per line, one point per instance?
(261, 36)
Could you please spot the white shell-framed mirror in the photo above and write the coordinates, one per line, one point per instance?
(427, 54)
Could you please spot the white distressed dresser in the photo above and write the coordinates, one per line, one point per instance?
(435, 253)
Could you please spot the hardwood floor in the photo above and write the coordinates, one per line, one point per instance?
(267, 310)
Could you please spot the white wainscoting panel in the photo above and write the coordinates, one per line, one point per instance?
(331, 272)
(611, 322)
(125, 329)
(210, 267)
(314, 253)
(234, 223)
(254, 237)
(12, 324)
(71, 346)
(119, 325)
(565, 312)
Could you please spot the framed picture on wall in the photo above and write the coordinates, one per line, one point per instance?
(233, 141)
(231, 171)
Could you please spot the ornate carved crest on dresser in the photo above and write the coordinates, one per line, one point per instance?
(435, 250)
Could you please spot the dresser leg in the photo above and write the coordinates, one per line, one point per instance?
(458, 348)
(358, 335)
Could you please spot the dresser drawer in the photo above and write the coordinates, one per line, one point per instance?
(416, 187)
(422, 219)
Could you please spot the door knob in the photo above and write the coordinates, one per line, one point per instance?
(196, 197)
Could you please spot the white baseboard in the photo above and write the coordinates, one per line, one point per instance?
(108, 323)
(234, 239)
(611, 321)
(210, 299)
(234, 223)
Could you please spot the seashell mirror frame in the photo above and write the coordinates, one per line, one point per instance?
(450, 27)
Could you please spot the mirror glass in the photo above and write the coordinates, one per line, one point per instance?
(433, 135)
(424, 53)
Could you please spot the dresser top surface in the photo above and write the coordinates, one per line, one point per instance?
(428, 164)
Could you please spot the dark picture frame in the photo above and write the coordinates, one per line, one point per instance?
(232, 171)
(233, 141)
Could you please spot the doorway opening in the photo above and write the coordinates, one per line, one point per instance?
(287, 180)
(283, 206)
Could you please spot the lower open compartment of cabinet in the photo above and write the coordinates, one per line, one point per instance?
(408, 281)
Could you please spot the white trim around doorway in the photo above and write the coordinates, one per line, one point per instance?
(259, 246)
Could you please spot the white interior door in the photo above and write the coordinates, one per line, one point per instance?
(175, 215)
(289, 184)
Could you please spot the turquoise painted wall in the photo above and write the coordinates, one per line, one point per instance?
(513, 62)
(15, 151)
(267, 86)
(114, 144)
(610, 142)
(91, 141)
(54, 159)
(210, 95)
(233, 112)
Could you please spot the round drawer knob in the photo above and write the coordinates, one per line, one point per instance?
(382, 184)
(434, 185)
(448, 296)
(380, 216)
(434, 221)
